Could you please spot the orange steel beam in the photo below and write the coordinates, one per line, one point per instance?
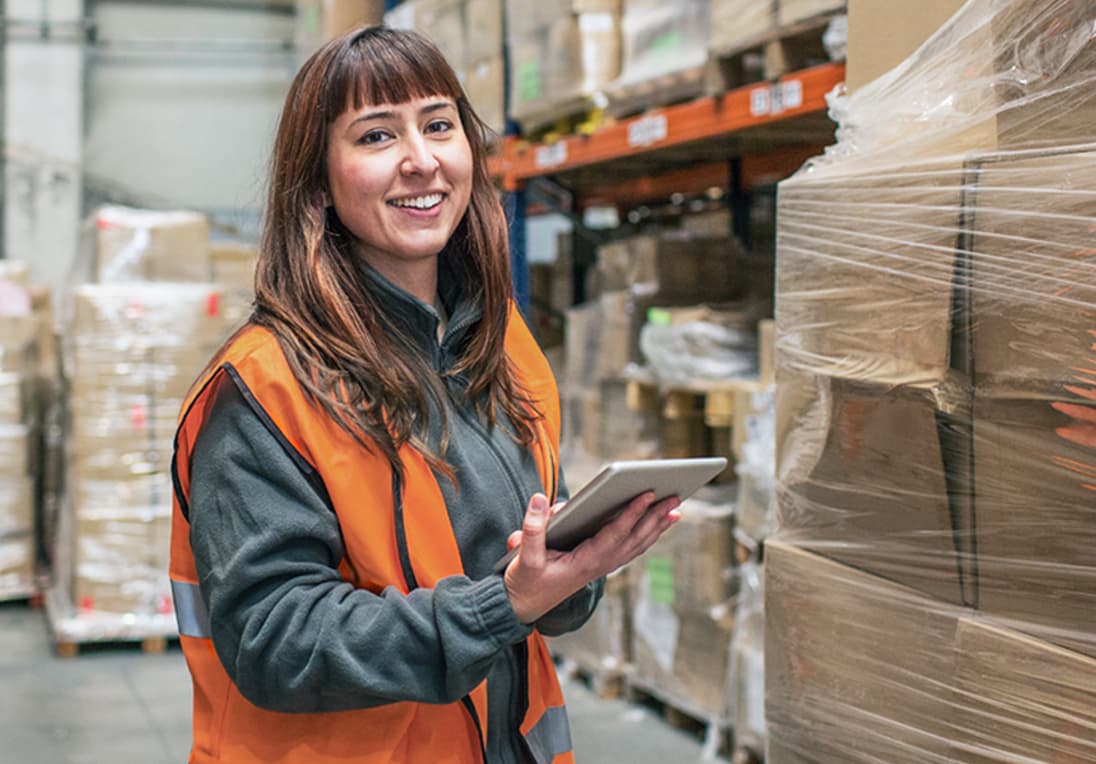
(754, 105)
(757, 170)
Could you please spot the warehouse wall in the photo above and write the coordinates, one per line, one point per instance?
(173, 104)
(183, 101)
(42, 136)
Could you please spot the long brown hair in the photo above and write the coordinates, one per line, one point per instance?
(310, 288)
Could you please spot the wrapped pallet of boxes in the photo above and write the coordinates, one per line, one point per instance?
(17, 528)
(134, 349)
(317, 21)
(737, 24)
(563, 53)
(150, 245)
(483, 71)
(664, 52)
(936, 409)
(440, 20)
(601, 647)
(683, 612)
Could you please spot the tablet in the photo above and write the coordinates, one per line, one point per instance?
(618, 483)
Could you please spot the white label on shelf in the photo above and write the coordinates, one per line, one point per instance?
(648, 130)
(760, 102)
(773, 99)
(792, 94)
(551, 155)
(593, 23)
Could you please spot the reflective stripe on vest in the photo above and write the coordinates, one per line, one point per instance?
(551, 736)
(190, 610)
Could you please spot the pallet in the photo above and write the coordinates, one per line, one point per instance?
(148, 646)
(680, 713)
(630, 99)
(605, 683)
(714, 400)
(72, 631)
(768, 55)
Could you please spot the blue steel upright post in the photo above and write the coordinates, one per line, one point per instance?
(519, 261)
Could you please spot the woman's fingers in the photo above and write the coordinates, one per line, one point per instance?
(534, 552)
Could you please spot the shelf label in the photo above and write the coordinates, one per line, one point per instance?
(774, 99)
(550, 156)
(648, 130)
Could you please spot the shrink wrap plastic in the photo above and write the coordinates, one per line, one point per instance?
(931, 594)
(133, 350)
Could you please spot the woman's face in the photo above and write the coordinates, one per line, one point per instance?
(400, 178)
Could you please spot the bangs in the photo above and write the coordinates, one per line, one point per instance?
(381, 65)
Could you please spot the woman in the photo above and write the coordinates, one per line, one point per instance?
(358, 456)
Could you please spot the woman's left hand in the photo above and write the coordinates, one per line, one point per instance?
(539, 578)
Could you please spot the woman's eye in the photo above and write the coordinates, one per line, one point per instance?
(374, 136)
(439, 126)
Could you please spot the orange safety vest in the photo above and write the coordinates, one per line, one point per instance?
(380, 551)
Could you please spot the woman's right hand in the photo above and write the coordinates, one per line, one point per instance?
(539, 578)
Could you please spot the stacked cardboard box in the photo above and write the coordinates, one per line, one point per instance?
(738, 23)
(935, 412)
(684, 611)
(634, 274)
(17, 548)
(562, 55)
(135, 350)
(320, 20)
(662, 39)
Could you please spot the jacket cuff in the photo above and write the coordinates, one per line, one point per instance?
(496, 614)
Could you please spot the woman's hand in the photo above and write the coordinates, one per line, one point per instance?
(539, 578)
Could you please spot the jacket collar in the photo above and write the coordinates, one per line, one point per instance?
(419, 320)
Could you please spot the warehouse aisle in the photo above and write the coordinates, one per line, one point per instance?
(125, 707)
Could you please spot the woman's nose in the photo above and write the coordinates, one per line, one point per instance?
(418, 159)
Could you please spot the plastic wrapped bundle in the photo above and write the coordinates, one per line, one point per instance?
(936, 413)
(663, 38)
(134, 351)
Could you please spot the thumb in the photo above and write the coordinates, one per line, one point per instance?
(533, 551)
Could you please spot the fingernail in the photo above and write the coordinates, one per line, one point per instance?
(539, 503)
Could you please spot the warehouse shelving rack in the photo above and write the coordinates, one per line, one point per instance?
(749, 136)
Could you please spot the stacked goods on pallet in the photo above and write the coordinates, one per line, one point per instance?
(789, 12)
(634, 274)
(601, 648)
(664, 51)
(737, 24)
(133, 347)
(470, 34)
(17, 547)
(318, 21)
(684, 609)
(483, 71)
(562, 55)
(936, 420)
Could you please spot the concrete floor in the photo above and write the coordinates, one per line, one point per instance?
(122, 706)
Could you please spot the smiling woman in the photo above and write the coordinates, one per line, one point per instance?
(353, 461)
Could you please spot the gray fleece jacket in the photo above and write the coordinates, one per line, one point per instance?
(294, 636)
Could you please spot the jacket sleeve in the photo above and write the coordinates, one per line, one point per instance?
(292, 634)
(576, 610)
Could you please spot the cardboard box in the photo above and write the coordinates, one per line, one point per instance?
(680, 655)
(766, 350)
(793, 11)
(1033, 292)
(560, 52)
(321, 20)
(232, 264)
(863, 479)
(1020, 699)
(882, 35)
(17, 561)
(603, 644)
(701, 551)
(16, 505)
(736, 23)
(971, 68)
(484, 84)
(15, 446)
(483, 29)
(151, 245)
(660, 38)
(673, 265)
(856, 667)
(1034, 511)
